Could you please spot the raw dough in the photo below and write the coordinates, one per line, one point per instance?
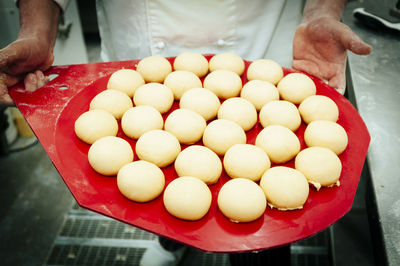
(193, 62)
(180, 81)
(224, 83)
(95, 124)
(154, 94)
(279, 142)
(221, 134)
(295, 87)
(125, 80)
(187, 125)
(265, 69)
(246, 161)
(318, 107)
(239, 110)
(187, 198)
(199, 161)
(227, 61)
(108, 154)
(154, 68)
(282, 113)
(326, 134)
(140, 119)
(140, 181)
(202, 101)
(158, 146)
(259, 92)
(285, 188)
(321, 166)
(112, 101)
(241, 200)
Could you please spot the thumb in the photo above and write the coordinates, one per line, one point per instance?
(352, 42)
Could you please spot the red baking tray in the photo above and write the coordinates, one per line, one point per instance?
(52, 110)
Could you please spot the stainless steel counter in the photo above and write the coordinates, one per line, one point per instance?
(376, 87)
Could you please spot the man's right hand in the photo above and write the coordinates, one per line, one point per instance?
(25, 58)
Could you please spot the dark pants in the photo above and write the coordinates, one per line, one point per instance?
(271, 257)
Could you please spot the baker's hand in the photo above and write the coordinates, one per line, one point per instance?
(25, 58)
(319, 48)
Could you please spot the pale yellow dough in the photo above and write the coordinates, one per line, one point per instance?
(326, 134)
(193, 62)
(202, 101)
(265, 69)
(181, 81)
(282, 113)
(140, 181)
(199, 161)
(158, 146)
(140, 119)
(108, 154)
(295, 87)
(125, 80)
(187, 198)
(227, 61)
(154, 94)
(221, 134)
(224, 83)
(318, 107)
(246, 161)
(321, 166)
(259, 92)
(95, 124)
(285, 188)
(239, 110)
(154, 68)
(279, 142)
(187, 125)
(241, 200)
(113, 101)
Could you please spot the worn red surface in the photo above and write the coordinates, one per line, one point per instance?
(52, 110)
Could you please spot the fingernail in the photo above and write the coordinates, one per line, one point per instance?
(341, 90)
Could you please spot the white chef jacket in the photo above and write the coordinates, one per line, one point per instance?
(133, 29)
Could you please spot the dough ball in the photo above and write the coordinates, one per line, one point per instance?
(241, 200)
(326, 134)
(285, 188)
(154, 68)
(187, 198)
(224, 83)
(108, 154)
(239, 110)
(318, 107)
(221, 134)
(112, 101)
(193, 62)
(140, 119)
(158, 146)
(321, 166)
(259, 92)
(180, 81)
(227, 61)
(279, 142)
(246, 161)
(199, 161)
(202, 101)
(265, 69)
(95, 124)
(154, 94)
(295, 87)
(140, 181)
(282, 113)
(125, 80)
(187, 125)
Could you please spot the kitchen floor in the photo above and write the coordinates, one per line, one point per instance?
(40, 223)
